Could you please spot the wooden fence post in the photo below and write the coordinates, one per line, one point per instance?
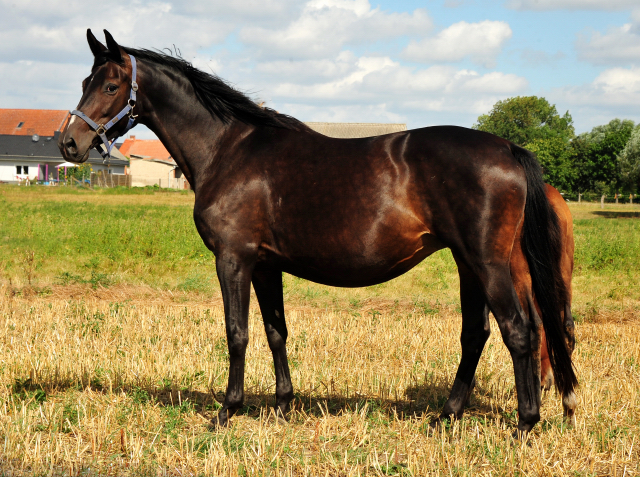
(579, 197)
(602, 201)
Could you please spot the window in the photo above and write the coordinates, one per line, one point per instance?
(18, 169)
(25, 169)
(20, 124)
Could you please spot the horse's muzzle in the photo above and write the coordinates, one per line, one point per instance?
(69, 150)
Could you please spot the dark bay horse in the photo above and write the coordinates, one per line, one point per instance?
(273, 196)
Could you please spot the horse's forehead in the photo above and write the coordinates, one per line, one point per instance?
(107, 70)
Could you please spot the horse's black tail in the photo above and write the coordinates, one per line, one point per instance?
(542, 245)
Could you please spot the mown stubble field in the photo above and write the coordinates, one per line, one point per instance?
(113, 357)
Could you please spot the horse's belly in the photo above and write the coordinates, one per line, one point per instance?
(347, 266)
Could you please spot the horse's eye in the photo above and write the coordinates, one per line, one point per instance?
(111, 88)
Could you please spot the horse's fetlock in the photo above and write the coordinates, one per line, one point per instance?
(528, 418)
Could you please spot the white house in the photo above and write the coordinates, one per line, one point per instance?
(35, 158)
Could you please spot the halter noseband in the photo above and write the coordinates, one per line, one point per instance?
(101, 129)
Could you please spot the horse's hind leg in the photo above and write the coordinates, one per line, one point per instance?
(475, 332)
(520, 335)
(268, 287)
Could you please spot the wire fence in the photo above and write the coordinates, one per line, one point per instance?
(602, 198)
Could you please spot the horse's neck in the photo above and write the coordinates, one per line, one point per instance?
(181, 122)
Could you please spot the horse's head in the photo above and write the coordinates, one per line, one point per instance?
(105, 109)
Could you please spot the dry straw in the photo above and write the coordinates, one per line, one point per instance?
(102, 385)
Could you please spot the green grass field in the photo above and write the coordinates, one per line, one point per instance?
(139, 237)
(113, 356)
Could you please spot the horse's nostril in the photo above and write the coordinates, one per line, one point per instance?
(71, 147)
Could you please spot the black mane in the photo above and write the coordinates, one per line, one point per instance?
(219, 98)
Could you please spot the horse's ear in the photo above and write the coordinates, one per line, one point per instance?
(97, 48)
(114, 49)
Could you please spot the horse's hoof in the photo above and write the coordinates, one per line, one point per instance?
(520, 435)
(219, 422)
(440, 424)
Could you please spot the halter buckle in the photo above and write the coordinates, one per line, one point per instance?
(101, 130)
(134, 86)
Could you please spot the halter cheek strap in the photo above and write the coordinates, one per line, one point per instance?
(101, 129)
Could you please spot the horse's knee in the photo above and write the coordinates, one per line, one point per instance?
(237, 344)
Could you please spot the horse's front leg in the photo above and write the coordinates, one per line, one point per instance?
(234, 274)
(268, 287)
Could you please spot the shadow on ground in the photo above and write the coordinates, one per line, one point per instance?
(420, 400)
(614, 214)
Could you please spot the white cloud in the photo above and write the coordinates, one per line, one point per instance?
(41, 84)
(619, 84)
(618, 45)
(306, 71)
(614, 93)
(541, 5)
(265, 11)
(481, 42)
(374, 113)
(55, 31)
(386, 85)
(326, 26)
(495, 83)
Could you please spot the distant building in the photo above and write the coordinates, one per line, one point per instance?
(145, 148)
(151, 164)
(37, 157)
(27, 122)
(355, 130)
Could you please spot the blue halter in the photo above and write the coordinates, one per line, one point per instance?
(101, 129)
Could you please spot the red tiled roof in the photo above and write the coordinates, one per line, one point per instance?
(147, 148)
(43, 122)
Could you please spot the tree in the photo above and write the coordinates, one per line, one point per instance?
(524, 119)
(556, 157)
(533, 123)
(596, 154)
(629, 161)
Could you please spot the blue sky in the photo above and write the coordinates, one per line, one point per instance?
(418, 62)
